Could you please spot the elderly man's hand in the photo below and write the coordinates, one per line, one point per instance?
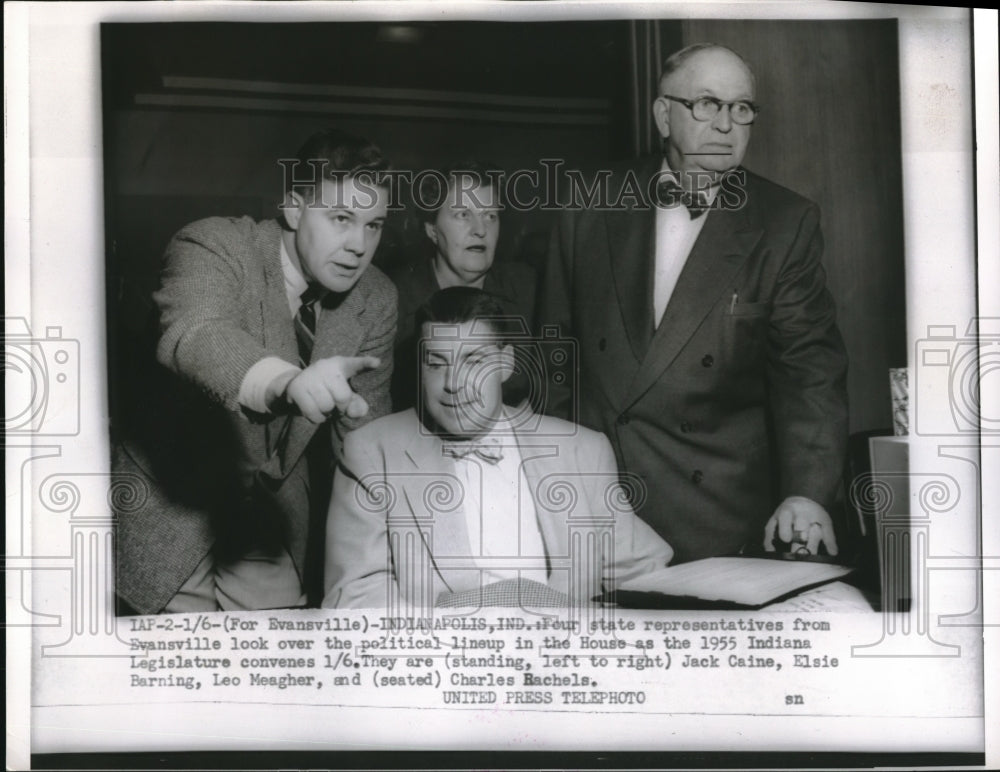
(801, 522)
(323, 387)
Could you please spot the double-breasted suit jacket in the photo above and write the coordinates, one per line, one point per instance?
(223, 307)
(737, 399)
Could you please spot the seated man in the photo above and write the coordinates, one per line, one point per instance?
(462, 493)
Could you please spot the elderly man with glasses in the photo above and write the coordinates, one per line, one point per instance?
(708, 347)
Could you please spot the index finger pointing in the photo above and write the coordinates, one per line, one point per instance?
(769, 534)
(786, 530)
(813, 538)
(355, 365)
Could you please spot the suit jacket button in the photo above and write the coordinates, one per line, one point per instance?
(707, 361)
(623, 419)
(697, 476)
(602, 344)
(685, 427)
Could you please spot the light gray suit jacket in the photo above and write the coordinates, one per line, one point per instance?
(397, 536)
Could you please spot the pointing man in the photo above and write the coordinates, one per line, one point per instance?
(276, 327)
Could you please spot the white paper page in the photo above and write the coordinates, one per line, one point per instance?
(750, 581)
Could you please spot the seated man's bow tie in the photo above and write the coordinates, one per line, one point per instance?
(669, 194)
(487, 449)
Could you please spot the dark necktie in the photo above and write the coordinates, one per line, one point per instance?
(670, 194)
(305, 322)
(489, 452)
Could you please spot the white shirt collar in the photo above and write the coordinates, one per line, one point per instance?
(502, 431)
(500, 434)
(295, 282)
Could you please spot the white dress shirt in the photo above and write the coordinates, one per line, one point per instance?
(676, 234)
(500, 513)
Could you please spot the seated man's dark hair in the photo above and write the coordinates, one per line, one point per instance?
(455, 305)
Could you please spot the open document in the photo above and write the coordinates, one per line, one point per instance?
(749, 582)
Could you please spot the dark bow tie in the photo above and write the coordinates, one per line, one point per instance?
(489, 452)
(670, 194)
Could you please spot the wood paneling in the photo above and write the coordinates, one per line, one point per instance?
(829, 129)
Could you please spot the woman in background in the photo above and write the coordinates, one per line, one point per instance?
(462, 225)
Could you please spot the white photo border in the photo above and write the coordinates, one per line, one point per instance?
(54, 196)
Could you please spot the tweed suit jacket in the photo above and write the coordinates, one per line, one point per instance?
(738, 398)
(223, 307)
(397, 536)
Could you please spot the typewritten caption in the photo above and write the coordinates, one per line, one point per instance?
(486, 659)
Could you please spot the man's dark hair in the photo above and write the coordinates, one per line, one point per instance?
(337, 155)
(455, 305)
(430, 196)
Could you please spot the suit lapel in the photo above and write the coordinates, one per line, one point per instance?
(430, 491)
(279, 332)
(338, 332)
(338, 328)
(444, 530)
(538, 462)
(725, 242)
(630, 250)
(278, 338)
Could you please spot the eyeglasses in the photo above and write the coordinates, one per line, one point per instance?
(706, 108)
